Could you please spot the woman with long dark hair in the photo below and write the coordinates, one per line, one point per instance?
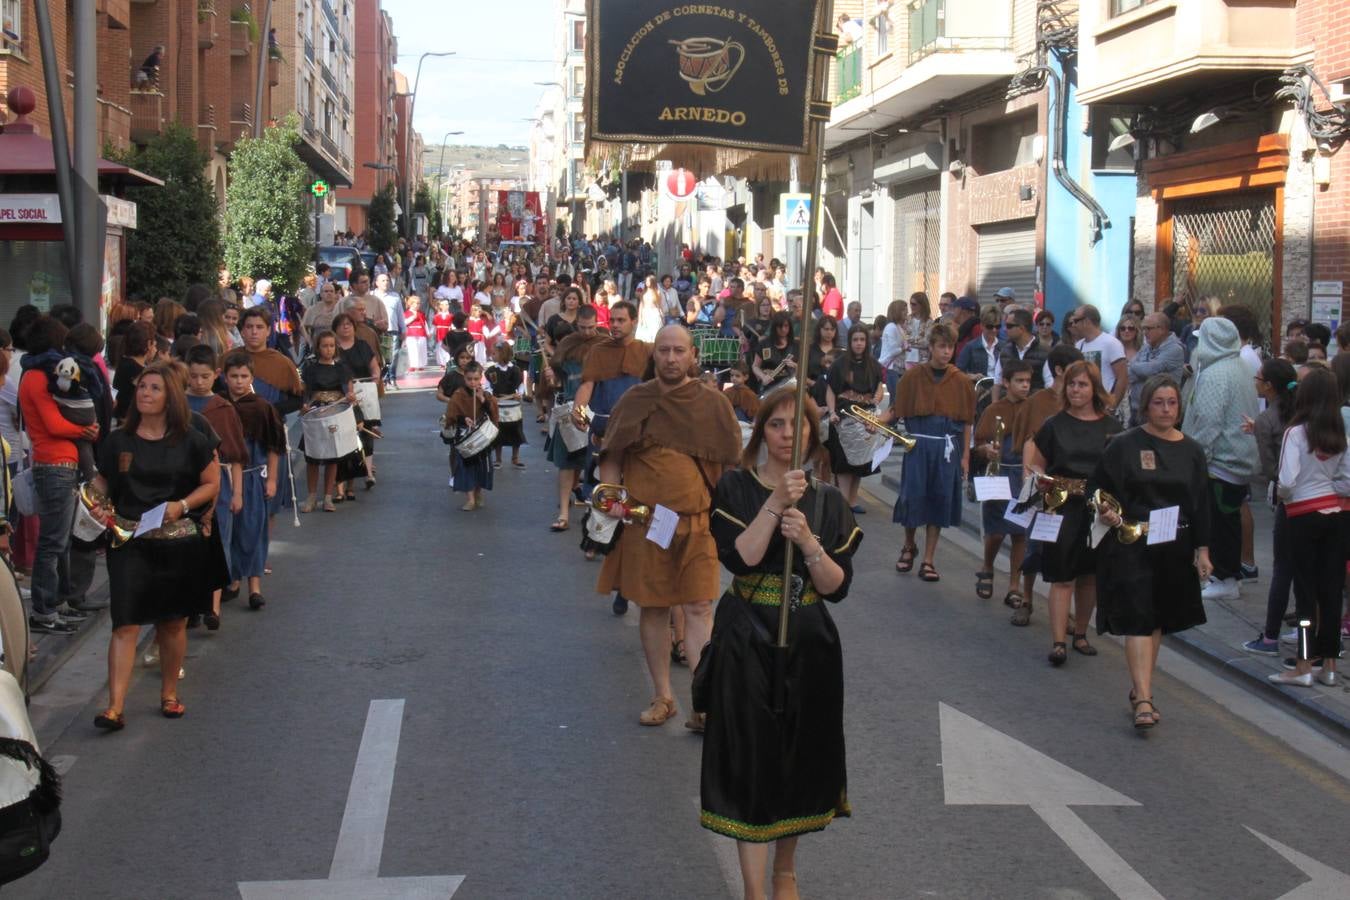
(821, 356)
(776, 358)
(1314, 484)
(770, 778)
(1275, 384)
(157, 459)
(1065, 452)
(855, 381)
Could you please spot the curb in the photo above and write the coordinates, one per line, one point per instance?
(1219, 658)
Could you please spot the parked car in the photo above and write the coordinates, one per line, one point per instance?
(343, 261)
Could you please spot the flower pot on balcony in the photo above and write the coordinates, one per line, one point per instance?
(206, 25)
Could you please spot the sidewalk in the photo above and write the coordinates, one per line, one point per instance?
(49, 652)
(1218, 643)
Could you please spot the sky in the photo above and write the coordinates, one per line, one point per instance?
(487, 89)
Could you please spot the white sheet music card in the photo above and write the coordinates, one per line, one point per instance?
(1162, 525)
(151, 519)
(1017, 518)
(661, 529)
(1046, 527)
(997, 487)
(883, 453)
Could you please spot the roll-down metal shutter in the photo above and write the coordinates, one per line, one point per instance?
(1007, 258)
(917, 239)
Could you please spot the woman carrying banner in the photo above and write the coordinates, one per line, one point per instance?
(770, 777)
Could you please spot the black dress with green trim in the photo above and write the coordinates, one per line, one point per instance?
(768, 776)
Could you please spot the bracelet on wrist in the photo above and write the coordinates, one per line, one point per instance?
(815, 558)
(778, 516)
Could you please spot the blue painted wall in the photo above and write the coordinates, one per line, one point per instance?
(1077, 271)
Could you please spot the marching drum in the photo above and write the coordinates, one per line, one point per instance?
(330, 431)
(367, 397)
(509, 411)
(572, 437)
(477, 440)
(857, 442)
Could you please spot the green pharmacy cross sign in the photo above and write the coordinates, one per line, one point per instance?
(319, 188)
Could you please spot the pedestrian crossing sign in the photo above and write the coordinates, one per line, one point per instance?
(796, 214)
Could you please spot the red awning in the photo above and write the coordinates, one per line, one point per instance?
(24, 152)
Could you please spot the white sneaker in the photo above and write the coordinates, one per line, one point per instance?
(1221, 589)
(1327, 677)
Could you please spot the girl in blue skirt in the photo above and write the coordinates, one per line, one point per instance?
(937, 403)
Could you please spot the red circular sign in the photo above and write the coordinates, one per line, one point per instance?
(681, 184)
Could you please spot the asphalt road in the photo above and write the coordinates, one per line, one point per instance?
(516, 761)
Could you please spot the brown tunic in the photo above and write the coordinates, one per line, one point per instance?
(276, 369)
(463, 406)
(223, 418)
(610, 359)
(667, 462)
(744, 399)
(1032, 414)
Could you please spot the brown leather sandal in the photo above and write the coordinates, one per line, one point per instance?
(662, 710)
(170, 708)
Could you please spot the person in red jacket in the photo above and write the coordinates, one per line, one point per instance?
(56, 480)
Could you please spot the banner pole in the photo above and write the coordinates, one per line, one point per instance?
(823, 46)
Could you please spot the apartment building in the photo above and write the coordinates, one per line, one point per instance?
(315, 46)
(564, 120)
(1236, 197)
(374, 130)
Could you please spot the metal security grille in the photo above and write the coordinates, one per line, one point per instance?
(917, 240)
(1224, 246)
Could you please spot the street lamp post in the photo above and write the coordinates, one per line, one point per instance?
(440, 166)
(407, 144)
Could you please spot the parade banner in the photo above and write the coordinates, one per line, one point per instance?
(518, 216)
(732, 74)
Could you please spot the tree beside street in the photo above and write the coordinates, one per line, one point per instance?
(177, 239)
(381, 232)
(268, 206)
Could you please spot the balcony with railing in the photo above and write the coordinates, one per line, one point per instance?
(114, 124)
(329, 80)
(147, 115)
(206, 128)
(330, 16)
(1135, 52)
(241, 38)
(241, 114)
(945, 26)
(330, 147)
(935, 50)
(206, 24)
(309, 49)
(848, 69)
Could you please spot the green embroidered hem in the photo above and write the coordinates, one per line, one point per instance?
(762, 834)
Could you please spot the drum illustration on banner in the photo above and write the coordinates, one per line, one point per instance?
(706, 63)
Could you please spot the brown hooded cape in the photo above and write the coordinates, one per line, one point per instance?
(918, 394)
(694, 419)
(611, 358)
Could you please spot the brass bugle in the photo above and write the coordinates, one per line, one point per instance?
(604, 496)
(906, 442)
(995, 467)
(1127, 532)
(100, 507)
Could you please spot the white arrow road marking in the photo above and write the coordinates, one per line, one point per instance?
(355, 872)
(1326, 884)
(982, 766)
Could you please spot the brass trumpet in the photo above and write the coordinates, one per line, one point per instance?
(605, 496)
(994, 468)
(1127, 532)
(1054, 492)
(905, 442)
(101, 508)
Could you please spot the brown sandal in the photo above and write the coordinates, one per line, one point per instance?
(929, 572)
(662, 710)
(1021, 613)
(110, 721)
(906, 561)
(170, 708)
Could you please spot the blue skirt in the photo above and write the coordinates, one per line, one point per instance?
(224, 518)
(930, 484)
(249, 531)
(471, 474)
